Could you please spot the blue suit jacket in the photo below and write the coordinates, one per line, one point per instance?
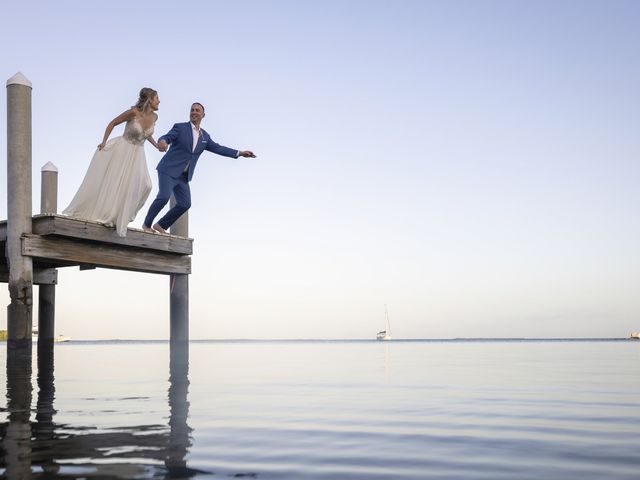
(181, 152)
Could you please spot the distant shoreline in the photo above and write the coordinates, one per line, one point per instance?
(355, 340)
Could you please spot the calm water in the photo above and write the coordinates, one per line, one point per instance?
(326, 410)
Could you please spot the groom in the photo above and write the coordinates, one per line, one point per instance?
(175, 169)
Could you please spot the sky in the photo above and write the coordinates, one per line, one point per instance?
(473, 165)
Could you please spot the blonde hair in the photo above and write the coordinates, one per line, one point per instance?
(145, 96)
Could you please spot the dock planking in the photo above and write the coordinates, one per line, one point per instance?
(60, 241)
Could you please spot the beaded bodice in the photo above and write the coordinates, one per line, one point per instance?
(134, 133)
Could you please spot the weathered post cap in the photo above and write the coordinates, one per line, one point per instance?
(49, 167)
(19, 79)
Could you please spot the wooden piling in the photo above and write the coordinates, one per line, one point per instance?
(47, 293)
(179, 295)
(19, 311)
(49, 189)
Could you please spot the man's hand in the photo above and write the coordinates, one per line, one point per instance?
(246, 153)
(162, 146)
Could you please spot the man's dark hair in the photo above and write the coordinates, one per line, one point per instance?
(198, 103)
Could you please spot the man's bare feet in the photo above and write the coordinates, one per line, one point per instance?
(148, 229)
(159, 229)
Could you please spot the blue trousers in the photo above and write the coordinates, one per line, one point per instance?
(168, 185)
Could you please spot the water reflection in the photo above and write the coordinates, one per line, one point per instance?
(45, 449)
(16, 432)
(43, 428)
(179, 430)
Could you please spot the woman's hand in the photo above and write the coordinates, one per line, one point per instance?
(101, 146)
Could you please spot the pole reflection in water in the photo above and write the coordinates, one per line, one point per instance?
(16, 434)
(43, 427)
(179, 429)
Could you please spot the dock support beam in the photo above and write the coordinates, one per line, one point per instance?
(20, 310)
(47, 293)
(179, 299)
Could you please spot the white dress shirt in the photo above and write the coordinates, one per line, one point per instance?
(196, 136)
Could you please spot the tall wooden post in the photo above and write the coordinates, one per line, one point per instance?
(47, 293)
(19, 311)
(179, 298)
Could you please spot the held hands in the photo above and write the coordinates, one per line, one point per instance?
(246, 153)
(162, 146)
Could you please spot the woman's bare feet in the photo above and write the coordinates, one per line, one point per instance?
(159, 229)
(148, 229)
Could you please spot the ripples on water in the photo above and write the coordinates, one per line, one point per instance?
(325, 410)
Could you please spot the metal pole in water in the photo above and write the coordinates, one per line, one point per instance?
(20, 310)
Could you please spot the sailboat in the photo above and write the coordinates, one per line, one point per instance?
(56, 339)
(385, 334)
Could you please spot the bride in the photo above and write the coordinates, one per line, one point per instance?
(117, 182)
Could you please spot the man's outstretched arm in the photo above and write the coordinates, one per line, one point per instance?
(226, 151)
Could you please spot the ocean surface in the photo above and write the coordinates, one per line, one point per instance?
(450, 409)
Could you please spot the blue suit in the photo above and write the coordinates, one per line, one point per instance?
(176, 168)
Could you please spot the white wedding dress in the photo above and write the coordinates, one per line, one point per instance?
(117, 182)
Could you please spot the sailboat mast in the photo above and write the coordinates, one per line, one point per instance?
(386, 317)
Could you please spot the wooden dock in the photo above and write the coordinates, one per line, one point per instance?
(35, 246)
(59, 241)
